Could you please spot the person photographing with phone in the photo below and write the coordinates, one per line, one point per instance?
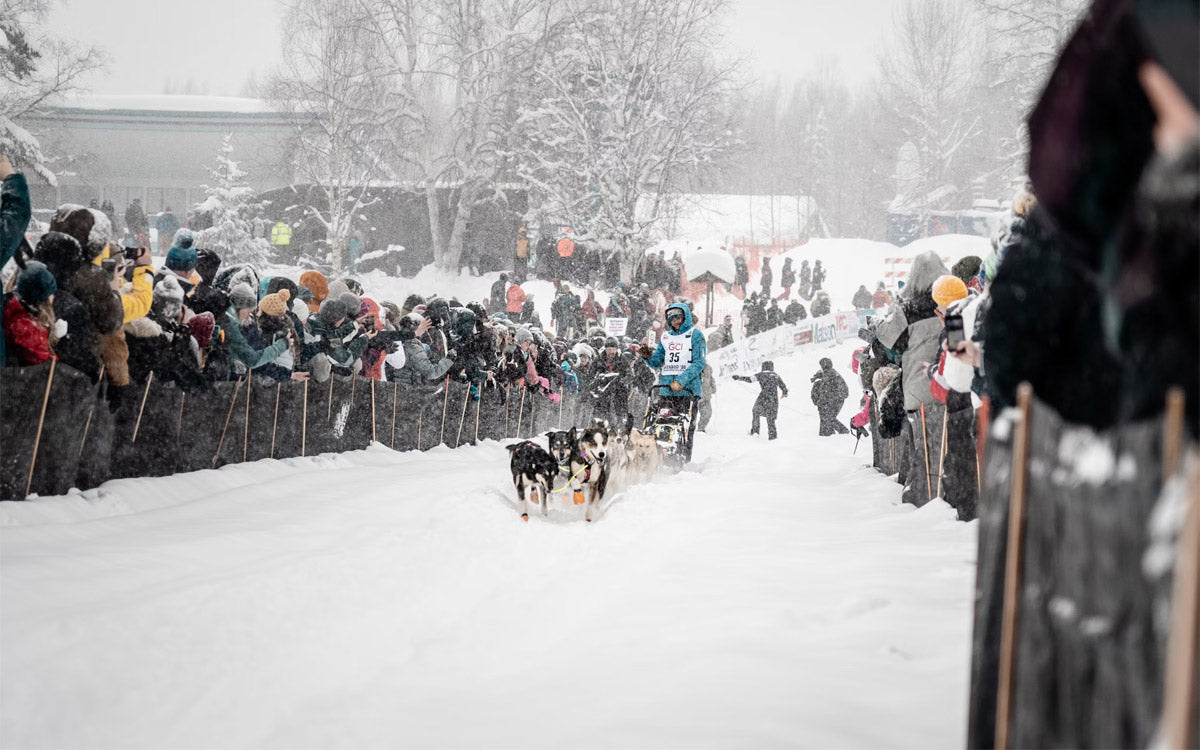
(679, 358)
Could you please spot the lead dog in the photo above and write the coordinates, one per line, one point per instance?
(589, 468)
(533, 469)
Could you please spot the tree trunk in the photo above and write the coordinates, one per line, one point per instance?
(458, 234)
(435, 223)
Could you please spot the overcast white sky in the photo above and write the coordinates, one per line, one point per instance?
(219, 43)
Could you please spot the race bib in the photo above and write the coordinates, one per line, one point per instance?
(678, 348)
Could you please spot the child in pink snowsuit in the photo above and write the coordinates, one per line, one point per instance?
(859, 422)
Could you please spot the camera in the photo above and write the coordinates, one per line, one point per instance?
(133, 253)
(109, 266)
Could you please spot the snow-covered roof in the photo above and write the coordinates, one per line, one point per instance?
(166, 103)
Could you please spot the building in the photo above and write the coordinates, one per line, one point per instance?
(157, 148)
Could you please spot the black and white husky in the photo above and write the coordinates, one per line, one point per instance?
(533, 470)
(588, 466)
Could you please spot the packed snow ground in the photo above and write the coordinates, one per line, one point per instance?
(777, 595)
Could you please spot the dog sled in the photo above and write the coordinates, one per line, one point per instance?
(671, 428)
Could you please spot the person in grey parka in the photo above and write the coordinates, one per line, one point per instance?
(419, 365)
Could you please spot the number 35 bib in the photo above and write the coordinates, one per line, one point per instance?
(678, 347)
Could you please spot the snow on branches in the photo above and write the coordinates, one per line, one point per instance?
(231, 204)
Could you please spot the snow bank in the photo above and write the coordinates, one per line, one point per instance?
(779, 595)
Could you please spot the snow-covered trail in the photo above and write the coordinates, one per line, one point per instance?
(777, 596)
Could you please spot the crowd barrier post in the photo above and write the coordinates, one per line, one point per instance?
(1179, 695)
(395, 401)
(37, 440)
(88, 424)
(1013, 566)
(478, 405)
(329, 415)
(942, 457)
(1173, 433)
(463, 416)
(229, 415)
(304, 422)
(246, 426)
(182, 401)
(142, 408)
(420, 418)
(275, 421)
(560, 407)
(925, 442)
(445, 402)
(532, 415)
(507, 398)
(373, 410)
(521, 408)
(985, 419)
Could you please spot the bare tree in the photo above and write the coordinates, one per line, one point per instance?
(627, 105)
(1027, 36)
(35, 71)
(459, 66)
(930, 83)
(333, 84)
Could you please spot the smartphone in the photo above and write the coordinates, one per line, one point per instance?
(954, 332)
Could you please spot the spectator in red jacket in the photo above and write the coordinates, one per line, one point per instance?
(516, 298)
(29, 324)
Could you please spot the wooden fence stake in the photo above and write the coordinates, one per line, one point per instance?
(420, 418)
(507, 395)
(462, 417)
(925, 442)
(477, 406)
(88, 424)
(37, 440)
(1013, 566)
(1183, 639)
(304, 422)
(395, 398)
(942, 459)
(246, 427)
(275, 423)
(1173, 433)
(445, 400)
(182, 401)
(146, 392)
(560, 408)
(521, 409)
(373, 410)
(237, 387)
(329, 415)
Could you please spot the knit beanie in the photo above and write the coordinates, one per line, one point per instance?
(168, 297)
(948, 289)
(316, 283)
(184, 238)
(350, 303)
(182, 259)
(332, 310)
(337, 288)
(769, 366)
(300, 310)
(242, 296)
(36, 283)
(523, 335)
(202, 327)
(275, 304)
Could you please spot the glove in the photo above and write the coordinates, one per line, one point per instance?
(60, 328)
(645, 352)
(676, 386)
(554, 397)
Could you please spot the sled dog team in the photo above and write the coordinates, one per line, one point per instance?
(581, 461)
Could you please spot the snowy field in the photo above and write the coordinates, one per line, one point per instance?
(778, 595)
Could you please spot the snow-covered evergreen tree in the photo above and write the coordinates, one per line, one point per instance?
(230, 202)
